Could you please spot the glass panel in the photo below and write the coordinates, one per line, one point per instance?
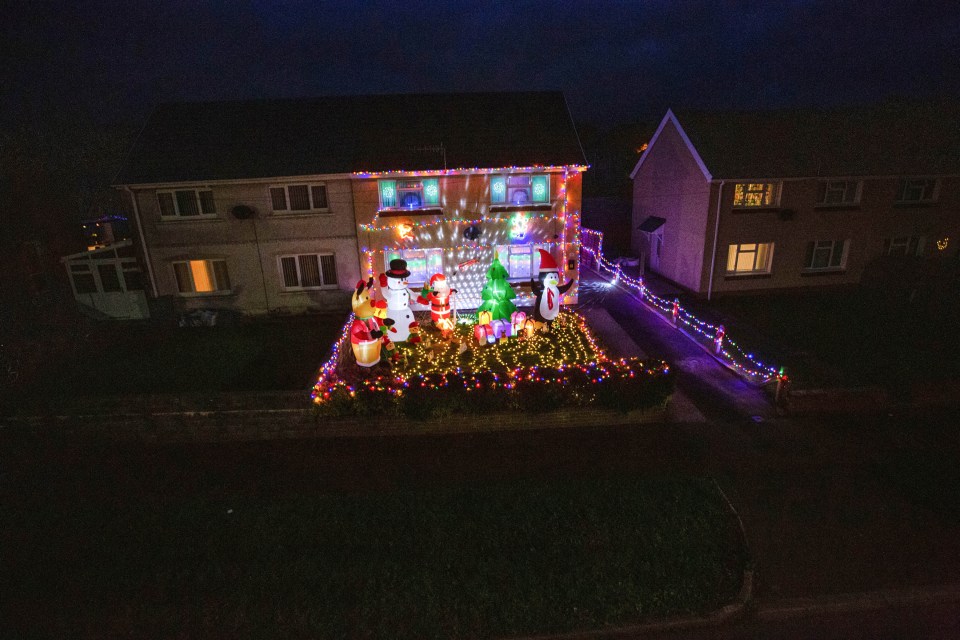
(434, 261)
(84, 283)
(207, 203)
(133, 280)
(182, 271)
(732, 258)
(763, 257)
(431, 191)
(109, 279)
(223, 278)
(278, 195)
(808, 259)
(309, 271)
(166, 204)
(328, 267)
(82, 268)
(319, 193)
(519, 266)
(388, 193)
(745, 259)
(498, 190)
(202, 276)
(289, 268)
(821, 255)
(411, 199)
(299, 198)
(187, 203)
(541, 188)
(416, 265)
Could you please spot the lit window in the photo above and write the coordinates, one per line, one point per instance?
(749, 258)
(201, 276)
(838, 192)
(917, 190)
(308, 271)
(826, 254)
(904, 246)
(754, 194)
(519, 190)
(522, 261)
(409, 194)
(186, 203)
(299, 197)
(421, 263)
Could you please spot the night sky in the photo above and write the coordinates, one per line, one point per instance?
(616, 61)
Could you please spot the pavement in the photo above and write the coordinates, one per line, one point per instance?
(713, 390)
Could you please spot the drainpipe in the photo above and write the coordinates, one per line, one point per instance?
(716, 231)
(143, 241)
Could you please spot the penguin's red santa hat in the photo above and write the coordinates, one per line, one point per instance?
(547, 263)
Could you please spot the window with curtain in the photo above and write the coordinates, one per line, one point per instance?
(749, 258)
(202, 276)
(308, 271)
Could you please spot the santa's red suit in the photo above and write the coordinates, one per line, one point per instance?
(436, 293)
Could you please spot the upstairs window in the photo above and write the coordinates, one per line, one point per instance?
(519, 190)
(409, 194)
(917, 190)
(750, 195)
(184, 203)
(749, 258)
(299, 197)
(904, 246)
(826, 254)
(308, 271)
(833, 192)
(202, 276)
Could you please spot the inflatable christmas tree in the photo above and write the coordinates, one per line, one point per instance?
(497, 294)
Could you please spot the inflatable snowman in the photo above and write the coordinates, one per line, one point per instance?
(393, 288)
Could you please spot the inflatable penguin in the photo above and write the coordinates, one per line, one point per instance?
(393, 288)
(548, 289)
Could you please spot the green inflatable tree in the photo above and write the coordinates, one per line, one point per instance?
(497, 294)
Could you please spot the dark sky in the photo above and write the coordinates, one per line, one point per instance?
(616, 61)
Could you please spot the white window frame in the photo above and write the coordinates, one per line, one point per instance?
(296, 261)
(905, 184)
(832, 246)
(828, 185)
(286, 194)
(193, 293)
(122, 266)
(504, 251)
(773, 186)
(904, 242)
(176, 204)
(765, 269)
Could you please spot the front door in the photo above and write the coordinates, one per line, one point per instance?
(655, 245)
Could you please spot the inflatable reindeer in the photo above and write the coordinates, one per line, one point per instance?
(367, 332)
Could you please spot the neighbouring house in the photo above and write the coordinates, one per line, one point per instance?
(106, 280)
(262, 206)
(743, 201)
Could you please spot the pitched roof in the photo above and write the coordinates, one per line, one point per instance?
(344, 134)
(891, 139)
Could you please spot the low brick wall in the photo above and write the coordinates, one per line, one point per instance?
(270, 416)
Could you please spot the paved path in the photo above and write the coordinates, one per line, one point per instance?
(717, 392)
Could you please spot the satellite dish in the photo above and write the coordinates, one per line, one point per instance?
(243, 212)
(472, 232)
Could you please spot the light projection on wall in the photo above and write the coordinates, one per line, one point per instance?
(519, 226)
(405, 231)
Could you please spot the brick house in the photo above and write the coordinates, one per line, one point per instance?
(744, 201)
(262, 206)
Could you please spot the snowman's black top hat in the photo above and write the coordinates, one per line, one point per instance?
(398, 269)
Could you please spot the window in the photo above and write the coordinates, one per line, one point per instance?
(754, 194)
(82, 278)
(299, 197)
(409, 194)
(520, 189)
(186, 203)
(838, 192)
(202, 276)
(309, 271)
(522, 261)
(109, 279)
(904, 246)
(749, 258)
(917, 190)
(826, 254)
(421, 263)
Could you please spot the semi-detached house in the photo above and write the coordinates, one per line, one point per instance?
(261, 206)
(744, 201)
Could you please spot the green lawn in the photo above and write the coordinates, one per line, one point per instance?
(119, 358)
(505, 558)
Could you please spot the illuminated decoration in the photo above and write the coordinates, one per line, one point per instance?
(484, 317)
(497, 294)
(418, 224)
(540, 185)
(517, 320)
(942, 244)
(579, 168)
(548, 289)
(464, 265)
(727, 350)
(431, 192)
(393, 288)
(388, 193)
(498, 189)
(405, 231)
(519, 226)
(366, 330)
(437, 293)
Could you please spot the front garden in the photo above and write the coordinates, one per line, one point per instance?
(555, 367)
